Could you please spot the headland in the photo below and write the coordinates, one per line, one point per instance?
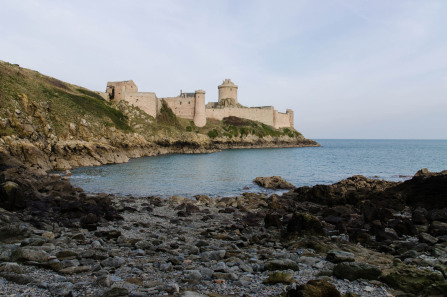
(53, 125)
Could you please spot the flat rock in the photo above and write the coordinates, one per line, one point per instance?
(11, 267)
(116, 292)
(61, 289)
(411, 279)
(193, 294)
(281, 264)
(74, 269)
(337, 256)
(279, 278)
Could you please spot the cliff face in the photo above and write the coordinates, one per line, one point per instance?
(52, 125)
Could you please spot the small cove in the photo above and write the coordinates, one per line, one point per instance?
(231, 172)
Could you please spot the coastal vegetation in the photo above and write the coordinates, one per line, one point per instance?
(62, 120)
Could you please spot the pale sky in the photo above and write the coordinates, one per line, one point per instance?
(348, 68)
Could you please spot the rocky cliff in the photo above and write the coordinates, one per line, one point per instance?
(52, 125)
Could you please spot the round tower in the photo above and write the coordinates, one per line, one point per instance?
(228, 90)
(199, 109)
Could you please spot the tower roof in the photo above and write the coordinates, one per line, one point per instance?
(227, 83)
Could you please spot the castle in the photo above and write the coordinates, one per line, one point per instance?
(192, 105)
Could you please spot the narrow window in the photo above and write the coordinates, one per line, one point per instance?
(189, 102)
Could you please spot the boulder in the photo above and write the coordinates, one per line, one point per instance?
(225, 276)
(193, 294)
(176, 200)
(419, 216)
(279, 278)
(273, 182)
(114, 262)
(67, 255)
(116, 292)
(413, 280)
(21, 279)
(438, 228)
(110, 234)
(61, 289)
(304, 224)
(272, 220)
(11, 268)
(252, 219)
(336, 256)
(11, 196)
(8, 252)
(427, 238)
(89, 222)
(281, 264)
(143, 244)
(354, 270)
(34, 254)
(314, 288)
(193, 276)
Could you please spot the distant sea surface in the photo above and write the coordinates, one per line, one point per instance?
(231, 172)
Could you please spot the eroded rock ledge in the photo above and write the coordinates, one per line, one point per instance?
(68, 154)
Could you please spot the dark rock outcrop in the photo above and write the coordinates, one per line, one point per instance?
(314, 288)
(273, 182)
(49, 198)
(304, 224)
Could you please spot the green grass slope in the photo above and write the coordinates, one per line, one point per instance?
(39, 107)
(50, 105)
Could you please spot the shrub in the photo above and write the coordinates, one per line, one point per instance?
(235, 121)
(213, 133)
(167, 116)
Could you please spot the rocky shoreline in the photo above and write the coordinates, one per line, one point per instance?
(68, 154)
(359, 236)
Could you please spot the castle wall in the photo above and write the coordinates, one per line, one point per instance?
(182, 106)
(263, 115)
(192, 105)
(291, 118)
(147, 101)
(117, 89)
(282, 120)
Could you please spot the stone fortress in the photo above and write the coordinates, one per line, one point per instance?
(192, 105)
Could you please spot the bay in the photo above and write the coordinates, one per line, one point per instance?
(231, 172)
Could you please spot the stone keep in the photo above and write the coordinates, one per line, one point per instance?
(228, 91)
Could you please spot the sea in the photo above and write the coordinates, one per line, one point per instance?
(231, 172)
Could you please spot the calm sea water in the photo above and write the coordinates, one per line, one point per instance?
(231, 172)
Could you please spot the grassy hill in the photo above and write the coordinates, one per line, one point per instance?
(51, 105)
(46, 111)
